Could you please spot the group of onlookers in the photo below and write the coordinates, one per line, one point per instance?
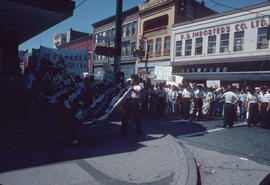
(197, 102)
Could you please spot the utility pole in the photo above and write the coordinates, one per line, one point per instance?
(118, 35)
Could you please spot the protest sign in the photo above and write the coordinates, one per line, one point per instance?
(75, 61)
(213, 83)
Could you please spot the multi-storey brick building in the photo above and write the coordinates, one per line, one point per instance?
(155, 21)
(77, 41)
(104, 34)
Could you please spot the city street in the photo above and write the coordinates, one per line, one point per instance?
(239, 155)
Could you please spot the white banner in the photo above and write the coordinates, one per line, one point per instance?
(76, 61)
(163, 72)
(213, 83)
(174, 80)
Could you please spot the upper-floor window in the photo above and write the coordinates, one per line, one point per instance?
(262, 42)
(212, 44)
(113, 34)
(178, 50)
(150, 48)
(188, 47)
(238, 44)
(96, 38)
(167, 45)
(128, 49)
(124, 30)
(198, 46)
(158, 47)
(109, 34)
(224, 43)
(134, 28)
(129, 29)
(133, 46)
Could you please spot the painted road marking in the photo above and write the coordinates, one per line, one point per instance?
(208, 131)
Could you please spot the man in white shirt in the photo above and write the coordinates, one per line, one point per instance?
(133, 106)
(199, 95)
(186, 97)
(264, 107)
(230, 100)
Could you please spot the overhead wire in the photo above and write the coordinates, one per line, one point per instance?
(80, 4)
(231, 7)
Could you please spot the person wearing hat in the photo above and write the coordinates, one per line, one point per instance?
(132, 105)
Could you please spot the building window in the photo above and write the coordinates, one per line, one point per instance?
(109, 35)
(124, 30)
(178, 51)
(182, 70)
(198, 46)
(188, 47)
(158, 47)
(134, 28)
(129, 29)
(124, 51)
(238, 44)
(96, 38)
(224, 43)
(150, 48)
(113, 34)
(212, 44)
(262, 42)
(133, 47)
(128, 49)
(167, 44)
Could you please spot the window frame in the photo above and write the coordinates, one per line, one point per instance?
(186, 46)
(212, 44)
(236, 39)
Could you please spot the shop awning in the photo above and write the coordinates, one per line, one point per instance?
(227, 76)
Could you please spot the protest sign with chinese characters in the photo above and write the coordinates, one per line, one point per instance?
(76, 61)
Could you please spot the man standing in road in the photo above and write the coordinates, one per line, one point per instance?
(132, 105)
(230, 100)
(199, 95)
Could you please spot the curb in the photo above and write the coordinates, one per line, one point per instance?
(192, 170)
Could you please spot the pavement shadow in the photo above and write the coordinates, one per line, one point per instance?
(28, 142)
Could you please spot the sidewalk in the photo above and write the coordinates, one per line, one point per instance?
(223, 169)
(103, 158)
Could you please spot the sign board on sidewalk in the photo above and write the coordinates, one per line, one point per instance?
(76, 61)
(213, 83)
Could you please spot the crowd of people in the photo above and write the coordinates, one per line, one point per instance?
(202, 103)
(70, 99)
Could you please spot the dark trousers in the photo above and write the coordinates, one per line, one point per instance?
(198, 103)
(186, 107)
(64, 121)
(253, 114)
(132, 106)
(228, 115)
(265, 116)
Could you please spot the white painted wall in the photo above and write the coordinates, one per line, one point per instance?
(233, 20)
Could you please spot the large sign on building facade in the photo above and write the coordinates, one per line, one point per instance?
(228, 35)
(241, 26)
(75, 61)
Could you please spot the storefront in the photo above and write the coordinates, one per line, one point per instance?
(231, 46)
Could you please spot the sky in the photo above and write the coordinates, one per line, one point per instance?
(92, 11)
